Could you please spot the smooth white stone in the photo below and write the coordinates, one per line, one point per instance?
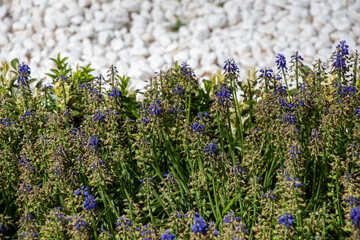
(124, 55)
(84, 3)
(61, 20)
(36, 19)
(194, 63)
(307, 30)
(184, 31)
(353, 10)
(50, 43)
(168, 59)
(157, 15)
(140, 69)
(120, 19)
(5, 26)
(208, 59)
(19, 53)
(156, 61)
(74, 11)
(267, 28)
(30, 45)
(172, 47)
(340, 22)
(217, 21)
(99, 16)
(18, 26)
(104, 38)
(128, 38)
(3, 39)
(77, 19)
(356, 29)
(164, 40)
(146, 6)
(148, 38)
(336, 6)
(111, 57)
(181, 56)
(201, 35)
(131, 6)
(309, 51)
(117, 44)
(102, 26)
(3, 11)
(255, 50)
(99, 62)
(122, 67)
(98, 50)
(141, 51)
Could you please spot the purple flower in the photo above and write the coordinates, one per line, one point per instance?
(281, 62)
(223, 93)
(199, 225)
(287, 220)
(197, 127)
(23, 75)
(155, 107)
(115, 93)
(187, 70)
(230, 66)
(167, 236)
(279, 89)
(95, 142)
(179, 90)
(355, 217)
(351, 200)
(79, 223)
(296, 57)
(211, 149)
(90, 202)
(268, 73)
(7, 122)
(99, 116)
(289, 118)
(340, 58)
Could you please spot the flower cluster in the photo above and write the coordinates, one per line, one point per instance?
(167, 236)
(115, 93)
(281, 62)
(187, 70)
(7, 122)
(230, 66)
(23, 75)
(197, 127)
(355, 217)
(211, 148)
(340, 57)
(268, 73)
(223, 94)
(287, 220)
(90, 202)
(199, 225)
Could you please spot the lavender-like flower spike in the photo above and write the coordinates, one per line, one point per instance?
(340, 58)
(199, 225)
(24, 74)
(230, 66)
(187, 70)
(287, 220)
(355, 217)
(268, 73)
(167, 236)
(281, 62)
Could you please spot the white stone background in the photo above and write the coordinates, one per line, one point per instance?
(135, 35)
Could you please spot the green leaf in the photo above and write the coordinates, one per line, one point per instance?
(15, 63)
